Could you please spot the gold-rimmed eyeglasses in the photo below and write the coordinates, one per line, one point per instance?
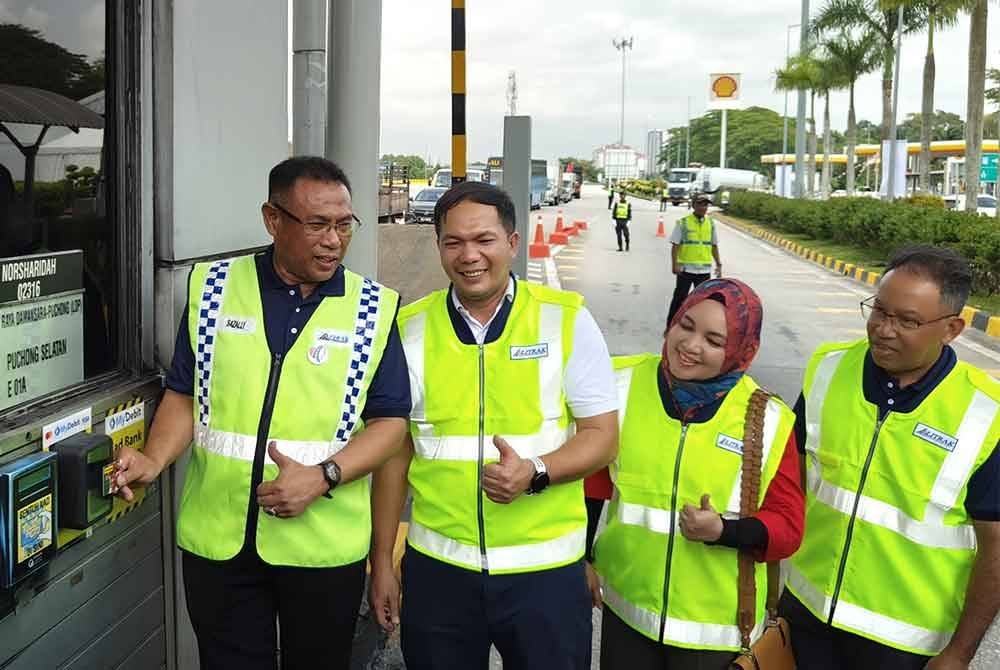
(319, 229)
(875, 315)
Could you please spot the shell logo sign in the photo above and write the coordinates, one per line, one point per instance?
(724, 87)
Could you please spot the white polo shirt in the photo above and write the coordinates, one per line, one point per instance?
(589, 382)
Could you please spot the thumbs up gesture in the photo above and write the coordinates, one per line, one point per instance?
(511, 476)
(701, 524)
(296, 486)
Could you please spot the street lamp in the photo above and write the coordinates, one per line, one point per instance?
(784, 118)
(622, 45)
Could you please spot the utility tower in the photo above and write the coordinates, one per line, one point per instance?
(512, 94)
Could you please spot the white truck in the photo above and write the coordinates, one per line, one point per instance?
(684, 183)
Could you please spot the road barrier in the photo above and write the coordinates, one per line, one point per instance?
(660, 230)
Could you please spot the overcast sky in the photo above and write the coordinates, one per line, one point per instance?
(569, 73)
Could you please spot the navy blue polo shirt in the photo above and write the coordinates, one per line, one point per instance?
(286, 313)
(881, 389)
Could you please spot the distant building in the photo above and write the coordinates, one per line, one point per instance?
(654, 144)
(619, 161)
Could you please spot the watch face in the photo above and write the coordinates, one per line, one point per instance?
(539, 482)
(332, 472)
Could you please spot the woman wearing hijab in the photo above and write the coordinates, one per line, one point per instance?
(670, 581)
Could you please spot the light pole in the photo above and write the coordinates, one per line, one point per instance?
(622, 45)
(890, 189)
(800, 123)
(784, 118)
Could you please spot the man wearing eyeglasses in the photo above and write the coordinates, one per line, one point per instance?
(900, 564)
(289, 378)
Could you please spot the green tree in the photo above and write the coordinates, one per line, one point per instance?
(849, 56)
(976, 102)
(416, 165)
(942, 126)
(880, 25)
(804, 73)
(934, 14)
(28, 59)
(753, 132)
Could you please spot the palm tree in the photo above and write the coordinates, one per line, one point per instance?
(975, 103)
(935, 14)
(830, 79)
(803, 73)
(881, 24)
(849, 57)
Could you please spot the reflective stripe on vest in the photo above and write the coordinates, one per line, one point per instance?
(632, 551)
(333, 360)
(512, 558)
(920, 527)
(696, 247)
(691, 633)
(465, 394)
(621, 211)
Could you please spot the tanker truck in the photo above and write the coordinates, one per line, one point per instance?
(685, 183)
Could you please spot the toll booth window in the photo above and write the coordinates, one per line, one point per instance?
(58, 267)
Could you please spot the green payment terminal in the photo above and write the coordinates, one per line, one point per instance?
(28, 514)
(86, 467)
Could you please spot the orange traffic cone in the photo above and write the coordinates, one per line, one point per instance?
(580, 224)
(538, 248)
(660, 231)
(559, 221)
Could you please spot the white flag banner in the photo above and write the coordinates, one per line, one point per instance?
(899, 180)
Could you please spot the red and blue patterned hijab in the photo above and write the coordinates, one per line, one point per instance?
(744, 315)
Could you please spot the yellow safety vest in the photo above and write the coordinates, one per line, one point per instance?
(463, 395)
(668, 588)
(238, 381)
(889, 547)
(621, 210)
(696, 248)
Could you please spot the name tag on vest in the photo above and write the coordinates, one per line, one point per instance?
(729, 444)
(238, 324)
(529, 351)
(332, 338)
(935, 437)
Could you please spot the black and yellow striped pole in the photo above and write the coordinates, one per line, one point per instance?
(457, 91)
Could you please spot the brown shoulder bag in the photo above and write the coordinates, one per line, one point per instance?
(773, 650)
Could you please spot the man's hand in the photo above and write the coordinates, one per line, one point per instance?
(132, 468)
(947, 661)
(593, 585)
(384, 595)
(506, 480)
(676, 269)
(701, 525)
(296, 486)
(718, 270)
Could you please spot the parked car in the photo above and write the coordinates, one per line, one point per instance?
(985, 204)
(422, 206)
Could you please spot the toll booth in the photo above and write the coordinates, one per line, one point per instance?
(145, 149)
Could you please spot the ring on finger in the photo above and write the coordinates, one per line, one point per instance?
(270, 511)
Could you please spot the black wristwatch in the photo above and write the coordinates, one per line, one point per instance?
(541, 479)
(331, 473)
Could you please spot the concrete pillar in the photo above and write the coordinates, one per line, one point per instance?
(517, 182)
(353, 71)
(308, 77)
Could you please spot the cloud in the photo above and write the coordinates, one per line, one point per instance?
(569, 73)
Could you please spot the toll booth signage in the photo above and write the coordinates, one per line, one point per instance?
(34, 528)
(41, 325)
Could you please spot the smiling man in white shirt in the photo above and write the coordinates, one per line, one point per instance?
(514, 403)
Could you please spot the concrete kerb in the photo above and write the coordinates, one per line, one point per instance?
(974, 318)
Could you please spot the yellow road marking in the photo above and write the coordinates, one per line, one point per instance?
(837, 310)
(563, 266)
(855, 331)
(837, 294)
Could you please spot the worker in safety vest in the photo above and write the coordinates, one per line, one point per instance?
(668, 555)
(664, 196)
(289, 378)
(622, 214)
(514, 404)
(694, 244)
(900, 564)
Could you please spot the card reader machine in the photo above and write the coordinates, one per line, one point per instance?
(28, 515)
(85, 471)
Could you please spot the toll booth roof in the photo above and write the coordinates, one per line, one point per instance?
(23, 104)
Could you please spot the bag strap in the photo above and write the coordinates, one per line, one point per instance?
(753, 449)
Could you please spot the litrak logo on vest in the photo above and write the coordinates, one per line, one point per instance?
(935, 437)
(318, 354)
(729, 444)
(239, 324)
(530, 351)
(332, 338)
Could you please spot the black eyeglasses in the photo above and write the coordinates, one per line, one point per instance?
(317, 229)
(876, 315)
